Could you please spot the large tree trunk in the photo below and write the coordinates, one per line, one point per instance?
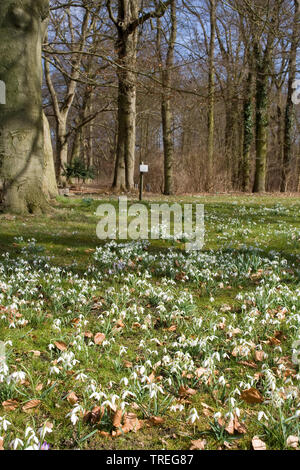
(247, 132)
(261, 129)
(22, 27)
(289, 110)
(168, 144)
(211, 97)
(49, 179)
(166, 110)
(125, 161)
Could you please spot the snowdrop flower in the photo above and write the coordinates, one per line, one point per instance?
(222, 381)
(124, 381)
(193, 416)
(54, 370)
(4, 423)
(44, 430)
(262, 415)
(74, 414)
(15, 443)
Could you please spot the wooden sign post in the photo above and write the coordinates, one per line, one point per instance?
(143, 169)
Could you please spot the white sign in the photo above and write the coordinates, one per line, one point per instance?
(2, 93)
(144, 168)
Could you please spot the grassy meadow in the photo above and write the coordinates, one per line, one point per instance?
(141, 345)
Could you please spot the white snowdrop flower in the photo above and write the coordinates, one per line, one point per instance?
(127, 393)
(54, 370)
(15, 443)
(124, 381)
(222, 381)
(44, 430)
(74, 414)
(262, 415)
(229, 415)
(81, 377)
(123, 350)
(177, 407)
(29, 430)
(217, 415)
(232, 401)
(4, 424)
(193, 416)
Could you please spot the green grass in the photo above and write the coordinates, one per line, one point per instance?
(176, 318)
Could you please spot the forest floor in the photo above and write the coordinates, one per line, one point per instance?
(146, 346)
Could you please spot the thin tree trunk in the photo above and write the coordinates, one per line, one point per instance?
(262, 121)
(61, 112)
(289, 110)
(211, 97)
(62, 147)
(166, 109)
(247, 132)
(49, 179)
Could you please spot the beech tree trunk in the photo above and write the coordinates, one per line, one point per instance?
(127, 50)
(289, 110)
(49, 180)
(211, 97)
(247, 132)
(166, 108)
(130, 17)
(22, 28)
(262, 116)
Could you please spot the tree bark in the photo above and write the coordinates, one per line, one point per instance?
(262, 117)
(49, 179)
(130, 17)
(247, 131)
(289, 110)
(127, 49)
(166, 108)
(22, 28)
(211, 96)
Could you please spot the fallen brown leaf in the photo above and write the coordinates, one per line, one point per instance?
(156, 420)
(99, 338)
(257, 444)
(10, 405)
(35, 353)
(239, 427)
(61, 345)
(30, 405)
(198, 445)
(252, 396)
(230, 427)
(72, 398)
(259, 356)
(186, 392)
(94, 416)
(117, 418)
(292, 441)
